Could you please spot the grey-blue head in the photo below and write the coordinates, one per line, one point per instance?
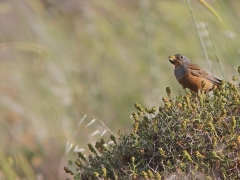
(179, 60)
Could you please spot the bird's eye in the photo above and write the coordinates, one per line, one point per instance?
(181, 57)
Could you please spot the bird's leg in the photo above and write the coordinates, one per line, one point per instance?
(199, 92)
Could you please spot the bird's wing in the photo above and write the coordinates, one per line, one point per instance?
(197, 71)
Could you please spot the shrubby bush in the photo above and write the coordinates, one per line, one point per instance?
(190, 137)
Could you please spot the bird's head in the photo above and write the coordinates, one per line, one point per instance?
(179, 60)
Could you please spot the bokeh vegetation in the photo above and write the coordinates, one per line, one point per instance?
(62, 60)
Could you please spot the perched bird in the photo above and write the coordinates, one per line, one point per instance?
(191, 76)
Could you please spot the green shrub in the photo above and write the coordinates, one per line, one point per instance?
(191, 137)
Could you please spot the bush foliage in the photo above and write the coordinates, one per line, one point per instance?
(191, 137)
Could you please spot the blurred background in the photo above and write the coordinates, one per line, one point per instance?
(71, 70)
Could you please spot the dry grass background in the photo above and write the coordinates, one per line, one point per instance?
(62, 60)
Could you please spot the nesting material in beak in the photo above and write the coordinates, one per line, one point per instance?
(172, 59)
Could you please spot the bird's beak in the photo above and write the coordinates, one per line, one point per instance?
(172, 59)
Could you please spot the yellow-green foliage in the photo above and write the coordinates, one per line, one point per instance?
(192, 136)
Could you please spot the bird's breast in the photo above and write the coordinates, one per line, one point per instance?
(180, 72)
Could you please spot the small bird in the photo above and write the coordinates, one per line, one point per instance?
(191, 76)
